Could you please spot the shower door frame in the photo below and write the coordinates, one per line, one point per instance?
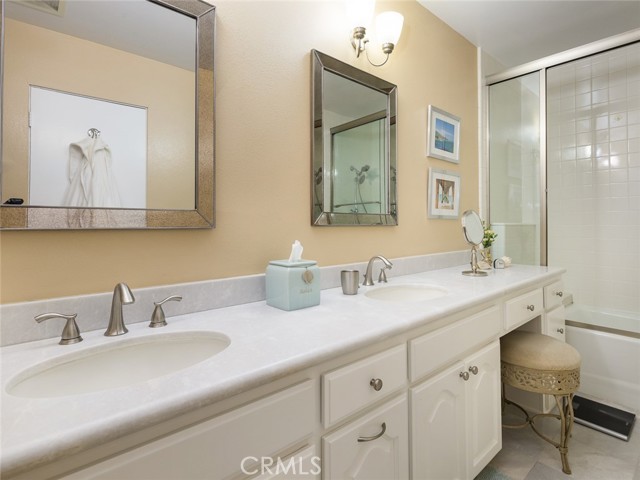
(541, 67)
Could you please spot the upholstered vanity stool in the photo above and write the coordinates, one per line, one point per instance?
(541, 364)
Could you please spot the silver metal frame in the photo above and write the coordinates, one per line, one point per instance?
(543, 168)
(541, 66)
(203, 216)
(319, 63)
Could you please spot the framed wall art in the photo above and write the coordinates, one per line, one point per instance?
(443, 136)
(443, 194)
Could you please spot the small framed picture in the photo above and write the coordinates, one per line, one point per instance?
(443, 137)
(443, 194)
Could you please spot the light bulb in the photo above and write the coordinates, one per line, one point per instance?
(389, 27)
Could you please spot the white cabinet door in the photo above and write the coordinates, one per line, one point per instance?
(455, 418)
(375, 446)
(484, 430)
(438, 444)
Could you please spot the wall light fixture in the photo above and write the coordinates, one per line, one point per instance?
(388, 28)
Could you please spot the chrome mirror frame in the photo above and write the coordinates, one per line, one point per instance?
(321, 214)
(17, 217)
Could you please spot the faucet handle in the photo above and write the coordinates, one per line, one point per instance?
(382, 278)
(70, 332)
(158, 318)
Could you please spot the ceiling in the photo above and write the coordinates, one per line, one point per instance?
(139, 27)
(515, 32)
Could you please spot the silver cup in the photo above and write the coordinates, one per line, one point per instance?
(350, 281)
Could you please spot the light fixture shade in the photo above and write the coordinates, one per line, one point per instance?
(389, 27)
(360, 12)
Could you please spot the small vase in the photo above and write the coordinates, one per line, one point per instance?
(486, 255)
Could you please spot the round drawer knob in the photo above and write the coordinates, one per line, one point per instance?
(473, 369)
(464, 376)
(531, 308)
(559, 294)
(560, 330)
(376, 383)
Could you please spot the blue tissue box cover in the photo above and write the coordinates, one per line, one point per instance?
(293, 285)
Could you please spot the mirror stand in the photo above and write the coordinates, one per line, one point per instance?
(475, 271)
(473, 230)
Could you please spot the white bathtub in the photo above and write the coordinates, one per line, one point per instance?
(609, 343)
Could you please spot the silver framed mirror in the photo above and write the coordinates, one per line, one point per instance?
(353, 146)
(161, 53)
(473, 231)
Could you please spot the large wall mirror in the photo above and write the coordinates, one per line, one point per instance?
(353, 177)
(107, 114)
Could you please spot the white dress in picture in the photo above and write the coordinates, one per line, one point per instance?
(92, 182)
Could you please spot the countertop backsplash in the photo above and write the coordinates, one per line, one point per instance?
(17, 324)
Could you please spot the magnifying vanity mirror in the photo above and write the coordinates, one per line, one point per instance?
(107, 114)
(473, 231)
(353, 152)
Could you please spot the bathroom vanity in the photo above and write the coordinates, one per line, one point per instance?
(358, 385)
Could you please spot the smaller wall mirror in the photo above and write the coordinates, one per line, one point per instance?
(353, 151)
(473, 231)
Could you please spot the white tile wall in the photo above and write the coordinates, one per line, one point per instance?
(593, 156)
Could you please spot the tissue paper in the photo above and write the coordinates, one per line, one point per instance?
(296, 252)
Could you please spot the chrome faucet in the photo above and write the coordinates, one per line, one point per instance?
(121, 296)
(368, 281)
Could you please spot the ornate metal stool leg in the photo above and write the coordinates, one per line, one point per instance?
(565, 408)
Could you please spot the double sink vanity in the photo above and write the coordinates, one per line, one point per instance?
(400, 381)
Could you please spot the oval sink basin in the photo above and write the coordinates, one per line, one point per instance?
(406, 293)
(128, 362)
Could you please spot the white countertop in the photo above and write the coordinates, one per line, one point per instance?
(266, 344)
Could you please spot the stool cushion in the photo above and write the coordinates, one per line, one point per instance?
(539, 363)
(538, 352)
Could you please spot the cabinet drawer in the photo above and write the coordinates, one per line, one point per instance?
(219, 447)
(374, 446)
(553, 294)
(445, 345)
(555, 323)
(522, 309)
(349, 388)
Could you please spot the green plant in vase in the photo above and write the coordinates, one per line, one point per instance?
(487, 240)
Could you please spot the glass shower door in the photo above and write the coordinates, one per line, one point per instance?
(358, 162)
(515, 192)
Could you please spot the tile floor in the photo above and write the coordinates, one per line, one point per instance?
(592, 455)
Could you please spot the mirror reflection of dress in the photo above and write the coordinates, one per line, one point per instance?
(92, 182)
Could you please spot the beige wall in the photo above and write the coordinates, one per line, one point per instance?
(41, 57)
(263, 165)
